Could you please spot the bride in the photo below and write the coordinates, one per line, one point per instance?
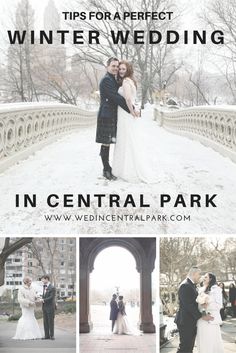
(122, 326)
(208, 333)
(27, 327)
(131, 155)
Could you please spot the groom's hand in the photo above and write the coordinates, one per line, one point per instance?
(208, 317)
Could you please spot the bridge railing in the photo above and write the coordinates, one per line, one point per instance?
(26, 127)
(214, 126)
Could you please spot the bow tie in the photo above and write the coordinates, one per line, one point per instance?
(44, 286)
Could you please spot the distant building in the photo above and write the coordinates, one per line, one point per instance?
(45, 64)
(50, 59)
(23, 263)
(19, 265)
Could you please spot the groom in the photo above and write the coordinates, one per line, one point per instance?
(48, 301)
(188, 314)
(114, 311)
(110, 99)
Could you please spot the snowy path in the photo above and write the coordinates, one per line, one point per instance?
(72, 166)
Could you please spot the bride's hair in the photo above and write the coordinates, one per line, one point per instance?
(129, 72)
(212, 282)
(26, 279)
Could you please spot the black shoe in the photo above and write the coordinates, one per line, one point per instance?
(52, 338)
(113, 177)
(108, 175)
(45, 338)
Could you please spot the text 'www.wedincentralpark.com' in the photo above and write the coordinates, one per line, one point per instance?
(117, 218)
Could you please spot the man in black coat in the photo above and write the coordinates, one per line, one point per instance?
(188, 314)
(110, 99)
(48, 301)
(114, 311)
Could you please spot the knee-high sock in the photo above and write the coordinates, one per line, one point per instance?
(104, 153)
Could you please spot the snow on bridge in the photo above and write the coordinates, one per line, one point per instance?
(70, 164)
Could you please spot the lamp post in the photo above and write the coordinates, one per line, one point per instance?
(14, 292)
(117, 290)
(164, 92)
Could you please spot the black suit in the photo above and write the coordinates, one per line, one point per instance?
(113, 313)
(187, 316)
(107, 114)
(114, 310)
(49, 294)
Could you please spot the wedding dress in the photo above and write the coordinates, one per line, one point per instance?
(27, 327)
(208, 333)
(122, 326)
(132, 154)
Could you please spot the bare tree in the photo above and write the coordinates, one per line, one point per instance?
(226, 253)
(178, 255)
(9, 248)
(36, 71)
(46, 251)
(220, 15)
(155, 65)
(20, 81)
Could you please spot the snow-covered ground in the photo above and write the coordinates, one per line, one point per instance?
(170, 326)
(72, 166)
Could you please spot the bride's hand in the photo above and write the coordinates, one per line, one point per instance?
(135, 114)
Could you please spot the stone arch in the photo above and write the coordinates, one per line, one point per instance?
(101, 244)
(144, 253)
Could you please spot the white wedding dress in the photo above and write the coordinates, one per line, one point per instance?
(209, 338)
(132, 160)
(27, 327)
(122, 326)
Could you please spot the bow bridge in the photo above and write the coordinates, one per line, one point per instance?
(213, 126)
(194, 152)
(24, 128)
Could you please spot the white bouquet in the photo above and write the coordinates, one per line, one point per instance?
(202, 298)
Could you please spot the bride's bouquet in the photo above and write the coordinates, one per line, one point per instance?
(202, 298)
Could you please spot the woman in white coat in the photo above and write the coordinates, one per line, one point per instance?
(210, 301)
(27, 327)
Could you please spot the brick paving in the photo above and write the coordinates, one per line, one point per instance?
(110, 343)
(101, 340)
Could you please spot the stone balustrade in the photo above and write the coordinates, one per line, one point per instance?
(214, 126)
(26, 127)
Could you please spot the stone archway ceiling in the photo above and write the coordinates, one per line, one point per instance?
(143, 249)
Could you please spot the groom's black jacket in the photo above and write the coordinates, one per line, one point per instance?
(188, 313)
(114, 309)
(49, 299)
(107, 114)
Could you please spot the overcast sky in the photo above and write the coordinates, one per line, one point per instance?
(113, 267)
(189, 8)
